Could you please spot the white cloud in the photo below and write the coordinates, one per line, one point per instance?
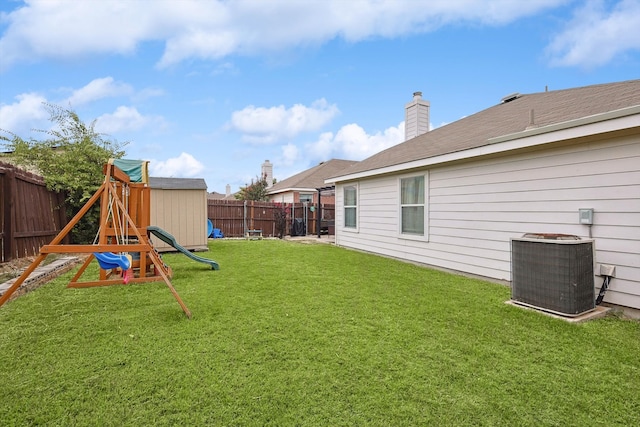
(97, 89)
(262, 125)
(208, 29)
(147, 93)
(70, 29)
(290, 154)
(183, 166)
(596, 35)
(126, 119)
(29, 111)
(324, 148)
(26, 113)
(352, 142)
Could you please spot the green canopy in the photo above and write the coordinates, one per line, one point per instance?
(138, 170)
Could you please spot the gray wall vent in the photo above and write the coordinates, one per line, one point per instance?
(553, 273)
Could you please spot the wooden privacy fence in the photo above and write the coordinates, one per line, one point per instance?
(30, 215)
(235, 217)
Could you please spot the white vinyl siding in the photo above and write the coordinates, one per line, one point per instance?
(475, 207)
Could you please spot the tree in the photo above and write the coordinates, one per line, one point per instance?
(256, 191)
(281, 214)
(70, 160)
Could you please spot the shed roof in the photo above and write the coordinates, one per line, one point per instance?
(177, 183)
(516, 113)
(313, 178)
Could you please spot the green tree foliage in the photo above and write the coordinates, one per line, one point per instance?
(256, 191)
(70, 159)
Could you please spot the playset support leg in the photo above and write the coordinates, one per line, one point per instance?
(22, 278)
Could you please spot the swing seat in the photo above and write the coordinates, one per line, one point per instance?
(109, 260)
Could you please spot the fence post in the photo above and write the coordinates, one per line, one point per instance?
(9, 215)
(253, 216)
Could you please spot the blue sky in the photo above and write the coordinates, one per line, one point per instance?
(211, 89)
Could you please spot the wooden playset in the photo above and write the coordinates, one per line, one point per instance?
(122, 246)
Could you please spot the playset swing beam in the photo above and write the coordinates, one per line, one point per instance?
(134, 223)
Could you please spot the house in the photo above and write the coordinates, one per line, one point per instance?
(454, 197)
(179, 206)
(303, 187)
(219, 196)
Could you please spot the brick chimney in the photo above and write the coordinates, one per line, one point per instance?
(416, 118)
(267, 172)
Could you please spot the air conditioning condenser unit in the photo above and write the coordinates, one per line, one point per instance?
(553, 272)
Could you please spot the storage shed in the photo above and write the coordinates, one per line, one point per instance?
(179, 206)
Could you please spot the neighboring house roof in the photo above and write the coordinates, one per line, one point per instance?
(313, 178)
(214, 195)
(521, 115)
(177, 183)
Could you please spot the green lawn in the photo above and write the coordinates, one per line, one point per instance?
(302, 334)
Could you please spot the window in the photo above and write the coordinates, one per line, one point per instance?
(412, 197)
(350, 206)
(308, 198)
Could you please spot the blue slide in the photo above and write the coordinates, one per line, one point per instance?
(170, 240)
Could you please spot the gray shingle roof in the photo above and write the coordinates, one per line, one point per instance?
(177, 183)
(219, 196)
(506, 118)
(312, 178)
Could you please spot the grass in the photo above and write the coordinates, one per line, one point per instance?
(297, 334)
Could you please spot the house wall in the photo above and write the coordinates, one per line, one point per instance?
(294, 197)
(326, 200)
(282, 197)
(475, 208)
(182, 213)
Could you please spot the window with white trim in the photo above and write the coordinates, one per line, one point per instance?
(412, 205)
(350, 206)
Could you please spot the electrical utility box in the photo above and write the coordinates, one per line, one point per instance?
(586, 216)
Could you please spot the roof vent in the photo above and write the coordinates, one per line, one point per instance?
(510, 97)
